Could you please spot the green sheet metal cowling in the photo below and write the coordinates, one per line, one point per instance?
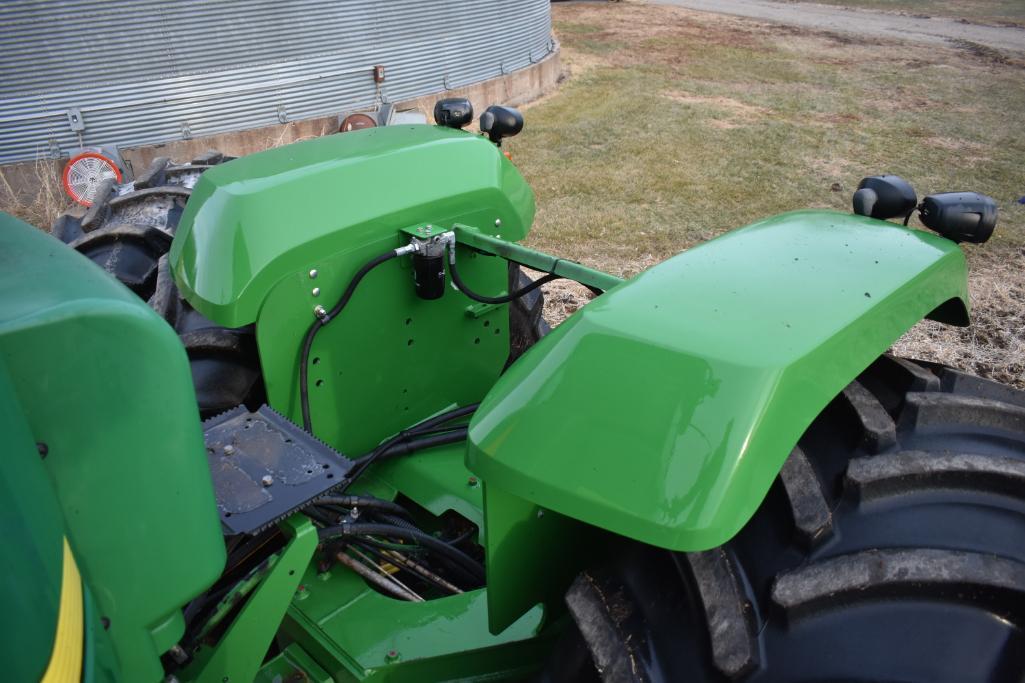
(256, 220)
(256, 228)
(663, 410)
(105, 384)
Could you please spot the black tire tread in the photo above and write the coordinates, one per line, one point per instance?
(128, 232)
(925, 411)
(730, 623)
(878, 428)
(873, 478)
(809, 508)
(526, 322)
(871, 574)
(901, 511)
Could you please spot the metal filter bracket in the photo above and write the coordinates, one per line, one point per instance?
(264, 468)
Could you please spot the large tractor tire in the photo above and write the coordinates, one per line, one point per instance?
(127, 231)
(526, 324)
(890, 548)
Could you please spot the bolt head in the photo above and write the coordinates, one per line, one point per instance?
(229, 450)
(319, 311)
(267, 480)
(498, 222)
(313, 273)
(472, 481)
(316, 291)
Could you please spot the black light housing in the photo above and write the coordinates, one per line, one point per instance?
(884, 196)
(960, 216)
(500, 122)
(453, 112)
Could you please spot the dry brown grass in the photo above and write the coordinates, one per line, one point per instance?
(994, 345)
(41, 206)
(676, 126)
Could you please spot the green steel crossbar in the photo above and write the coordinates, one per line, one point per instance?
(537, 260)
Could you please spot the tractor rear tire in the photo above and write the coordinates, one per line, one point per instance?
(526, 324)
(891, 547)
(128, 231)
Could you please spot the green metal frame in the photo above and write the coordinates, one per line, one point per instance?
(474, 238)
(236, 657)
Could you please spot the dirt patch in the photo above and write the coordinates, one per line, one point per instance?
(988, 55)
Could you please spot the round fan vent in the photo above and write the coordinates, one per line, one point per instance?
(84, 173)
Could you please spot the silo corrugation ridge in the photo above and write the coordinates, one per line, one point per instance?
(143, 72)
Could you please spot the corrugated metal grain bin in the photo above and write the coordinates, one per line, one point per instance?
(137, 72)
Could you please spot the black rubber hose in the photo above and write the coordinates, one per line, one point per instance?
(498, 299)
(594, 290)
(364, 462)
(407, 447)
(396, 521)
(467, 563)
(311, 333)
(364, 502)
(448, 416)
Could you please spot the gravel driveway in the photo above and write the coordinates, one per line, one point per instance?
(878, 24)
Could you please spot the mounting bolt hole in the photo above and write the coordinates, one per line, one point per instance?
(409, 321)
(316, 361)
(487, 323)
(330, 475)
(320, 383)
(409, 343)
(477, 340)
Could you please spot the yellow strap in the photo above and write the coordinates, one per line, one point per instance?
(66, 660)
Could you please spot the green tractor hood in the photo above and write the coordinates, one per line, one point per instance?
(664, 409)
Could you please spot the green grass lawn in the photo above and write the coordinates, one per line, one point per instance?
(676, 126)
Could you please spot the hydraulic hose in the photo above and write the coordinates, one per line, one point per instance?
(323, 320)
(406, 447)
(497, 299)
(458, 557)
(406, 435)
(364, 502)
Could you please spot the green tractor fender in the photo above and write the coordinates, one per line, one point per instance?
(664, 410)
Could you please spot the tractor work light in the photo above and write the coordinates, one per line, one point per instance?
(960, 216)
(884, 196)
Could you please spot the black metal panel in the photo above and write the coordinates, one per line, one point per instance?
(264, 468)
